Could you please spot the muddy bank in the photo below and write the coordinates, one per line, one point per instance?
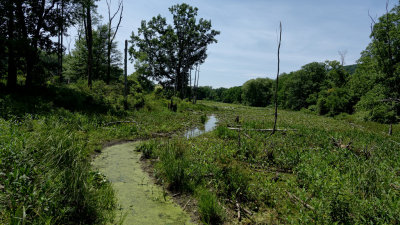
(140, 201)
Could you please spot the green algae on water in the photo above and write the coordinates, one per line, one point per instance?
(140, 201)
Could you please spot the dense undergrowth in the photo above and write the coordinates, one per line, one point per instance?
(47, 138)
(328, 170)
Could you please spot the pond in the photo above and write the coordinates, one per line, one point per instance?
(210, 125)
(140, 200)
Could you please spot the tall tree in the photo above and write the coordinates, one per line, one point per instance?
(170, 51)
(87, 6)
(111, 33)
(385, 42)
(76, 66)
(12, 68)
(35, 24)
(60, 51)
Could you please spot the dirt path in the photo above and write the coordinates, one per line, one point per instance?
(140, 201)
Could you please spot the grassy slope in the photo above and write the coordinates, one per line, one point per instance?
(293, 177)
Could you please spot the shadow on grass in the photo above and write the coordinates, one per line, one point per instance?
(42, 100)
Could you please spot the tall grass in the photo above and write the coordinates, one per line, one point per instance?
(47, 138)
(46, 177)
(298, 177)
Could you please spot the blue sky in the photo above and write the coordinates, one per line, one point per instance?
(313, 30)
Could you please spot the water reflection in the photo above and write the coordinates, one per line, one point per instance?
(210, 124)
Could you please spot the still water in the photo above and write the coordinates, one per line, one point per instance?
(210, 124)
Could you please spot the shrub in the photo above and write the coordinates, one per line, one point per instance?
(334, 101)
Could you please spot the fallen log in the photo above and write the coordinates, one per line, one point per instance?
(294, 197)
(246, 211)
(261, 130)
(186, 204)
(118, 122)
(395, 186)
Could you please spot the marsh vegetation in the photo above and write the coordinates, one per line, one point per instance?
(81, 142)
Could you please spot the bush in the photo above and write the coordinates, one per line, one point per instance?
(334, 101)
(378, 111)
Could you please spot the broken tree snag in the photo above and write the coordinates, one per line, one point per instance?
(238, 211)
(277, 80)
(338, 143)
(261, 130)
(390, 130)
(297, 199)
(237, 119)
(247, 212)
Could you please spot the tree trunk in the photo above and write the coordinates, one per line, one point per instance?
(89, 44)
(12, 69)
(108, 63)
(277, 80)
(126, 74)
(26, 47)
(61, 50)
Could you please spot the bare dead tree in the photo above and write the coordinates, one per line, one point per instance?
(196, 83)
(277, 79)
(111, 33)
(190, 84)
(342, 54)
(126, 74)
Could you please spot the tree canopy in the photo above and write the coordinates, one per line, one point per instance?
(168, 52)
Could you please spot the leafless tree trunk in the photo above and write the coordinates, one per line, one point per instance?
(277, 79)
(111, 34)
(342, 55)
(126, 74)
(196, 83)
(190, 84)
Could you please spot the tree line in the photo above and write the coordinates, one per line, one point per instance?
(32, 51)
(370, 88)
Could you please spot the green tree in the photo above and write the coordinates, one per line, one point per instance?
(300, 89)
(232, 95)
(257, 92)
(376, 82)
(76, 63)
(168, 52)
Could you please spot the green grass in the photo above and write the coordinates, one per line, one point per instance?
(358, 184)
(292, 177)
(47, 138)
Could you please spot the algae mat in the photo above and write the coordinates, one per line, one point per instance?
(140, 201)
